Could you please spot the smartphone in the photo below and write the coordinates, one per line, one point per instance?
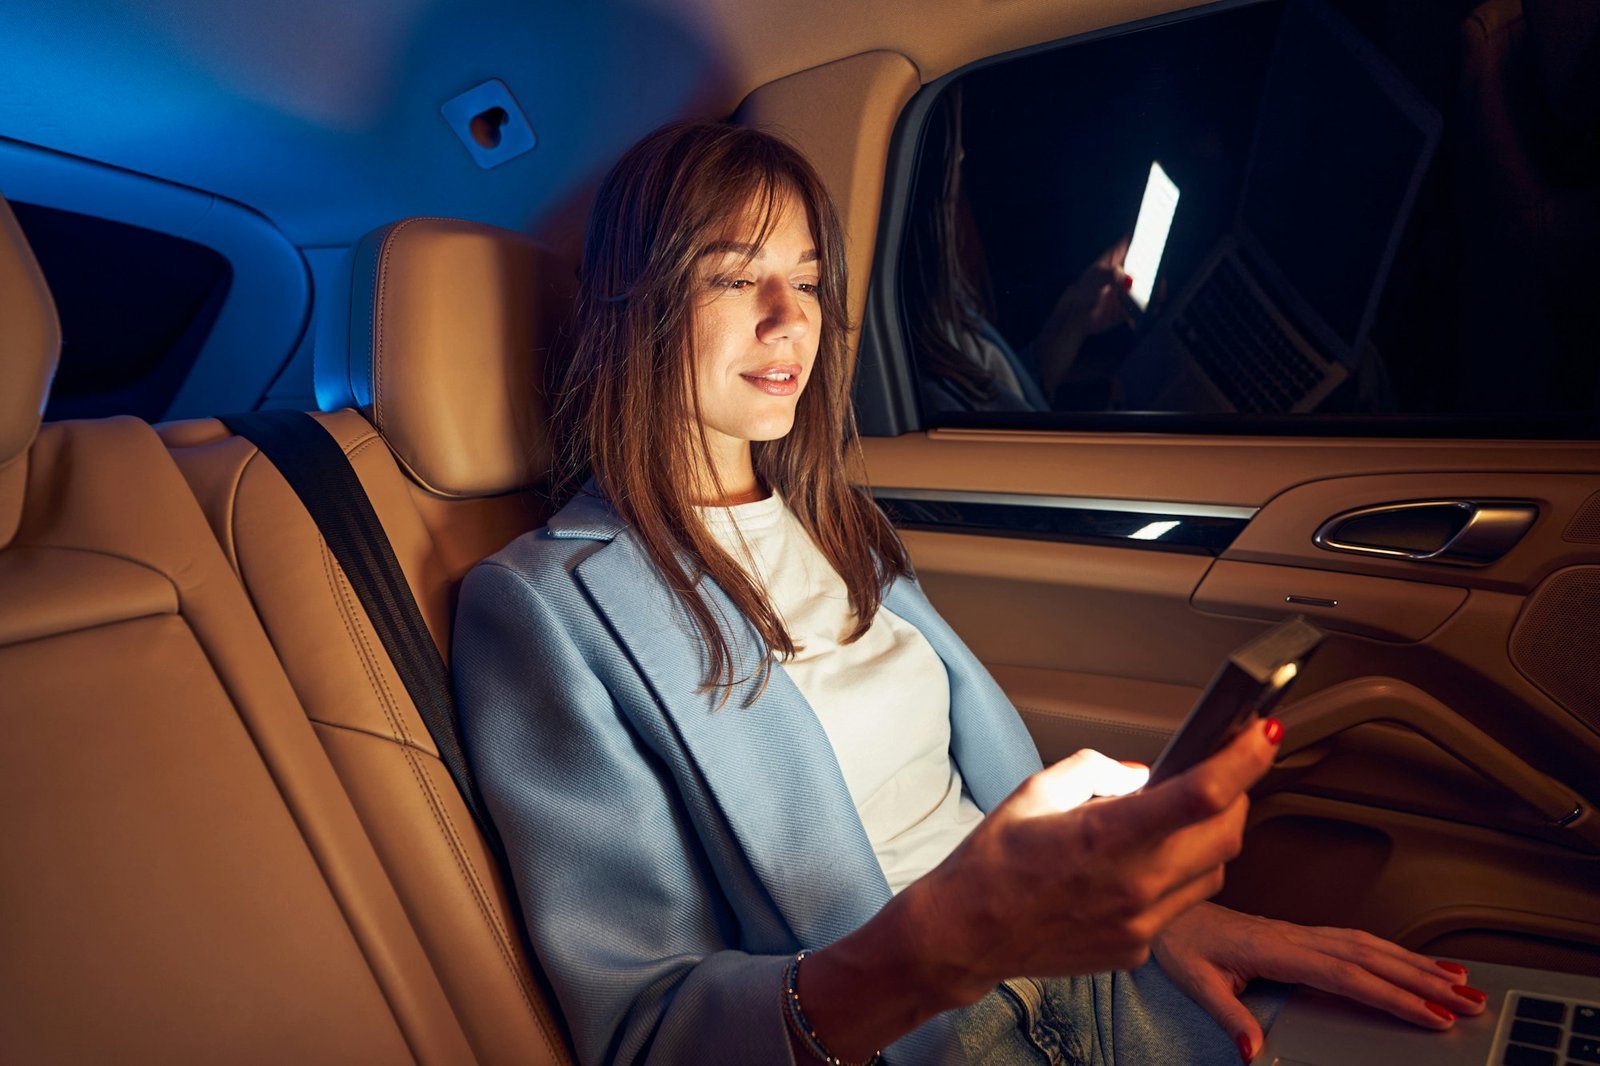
(1150, 230)
(1247, 685)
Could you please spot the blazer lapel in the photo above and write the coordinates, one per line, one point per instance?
(765, 762)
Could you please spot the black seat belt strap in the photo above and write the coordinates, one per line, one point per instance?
(317, 469)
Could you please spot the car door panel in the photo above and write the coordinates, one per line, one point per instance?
(1476, 658)
(1069, 607)
(1442, 887)
(1391, 821)
(1278, 534)
(1380, 607)
(1138, 614)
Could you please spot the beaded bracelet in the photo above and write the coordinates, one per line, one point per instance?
(802, 1028)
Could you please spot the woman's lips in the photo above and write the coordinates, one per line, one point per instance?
(775, 380)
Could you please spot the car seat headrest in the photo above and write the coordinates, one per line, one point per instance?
(450, 325)
(30, 340)
(30, 345)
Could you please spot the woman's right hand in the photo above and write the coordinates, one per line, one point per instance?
(1049, 884)
(1091, 304)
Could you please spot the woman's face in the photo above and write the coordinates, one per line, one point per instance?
(757, 322)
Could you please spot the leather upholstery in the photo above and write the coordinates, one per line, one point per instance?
(185, 879)
(225, 844)
(353, 696)
(449, 326)
(438, 861)
(30, 344)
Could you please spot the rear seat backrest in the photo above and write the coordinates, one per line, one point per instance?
(184, 878)
(449, 322)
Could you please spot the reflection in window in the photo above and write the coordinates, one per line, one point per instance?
(1387, 208)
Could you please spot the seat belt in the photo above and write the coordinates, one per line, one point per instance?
(317, 469)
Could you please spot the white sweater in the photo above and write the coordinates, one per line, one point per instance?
(884, 701)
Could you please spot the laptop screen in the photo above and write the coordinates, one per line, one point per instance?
(1341, 144)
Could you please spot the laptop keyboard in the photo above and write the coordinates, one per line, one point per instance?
(1544, 1031)
(1242, 348)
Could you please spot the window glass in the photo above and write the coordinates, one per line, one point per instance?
(1386, 212)
(135, 308)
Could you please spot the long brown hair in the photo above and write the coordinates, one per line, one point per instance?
(939, 297)
(627, 409)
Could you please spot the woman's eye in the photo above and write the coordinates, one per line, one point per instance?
(810, 287)
(728, 281)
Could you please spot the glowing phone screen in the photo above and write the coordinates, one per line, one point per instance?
(1150, 234)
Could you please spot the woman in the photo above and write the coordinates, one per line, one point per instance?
(717, 723)
(964, 362)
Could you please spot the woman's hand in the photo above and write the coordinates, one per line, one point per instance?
(1091, 304)
(1049, 884)
(1092, 298)
(1212, 953)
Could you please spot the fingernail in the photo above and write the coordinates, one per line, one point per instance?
(1443, 1012)
(1452, 967)
(1245, 1054)
(1274, 730)
(1469, 993)
(1127, 283)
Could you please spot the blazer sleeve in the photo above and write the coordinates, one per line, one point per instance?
(621, 905)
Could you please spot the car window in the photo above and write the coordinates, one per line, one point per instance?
(1382, 225)
(135, 306)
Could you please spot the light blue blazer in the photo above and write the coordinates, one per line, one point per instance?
(672, 854)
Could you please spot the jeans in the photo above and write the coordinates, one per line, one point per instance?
(1137, 1018)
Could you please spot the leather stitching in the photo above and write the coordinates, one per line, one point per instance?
(380, 269)
(501, 935)
(442, 819)
(339, 587)
(358, 446)
(227, 537)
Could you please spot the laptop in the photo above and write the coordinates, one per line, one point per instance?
(1533, 1018)
(1277, 315)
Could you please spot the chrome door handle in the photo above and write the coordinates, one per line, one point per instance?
(1460, 532)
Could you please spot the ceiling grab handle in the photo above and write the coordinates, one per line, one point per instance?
(1331, 711)
(1458, 532)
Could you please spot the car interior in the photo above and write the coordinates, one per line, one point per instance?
(229, 835)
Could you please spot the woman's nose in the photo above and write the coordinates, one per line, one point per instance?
(783, 317)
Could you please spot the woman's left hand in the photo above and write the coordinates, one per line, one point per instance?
(1212, 953)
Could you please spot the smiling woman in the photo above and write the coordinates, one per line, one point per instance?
(721, 261)
(757, 326)
(313, 234)
(797, 762)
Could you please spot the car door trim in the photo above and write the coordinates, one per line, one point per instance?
(1071, 503)
(1195, 528)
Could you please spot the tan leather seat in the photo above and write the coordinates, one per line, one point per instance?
(184, 878)
(449, 320)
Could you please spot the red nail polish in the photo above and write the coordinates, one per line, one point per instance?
(1469, 993)
(1452, 967)
(1127, 283)
(1274, 730)
(1443, 1012)
(1243, 1041)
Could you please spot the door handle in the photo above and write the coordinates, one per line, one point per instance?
(1459, 532)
